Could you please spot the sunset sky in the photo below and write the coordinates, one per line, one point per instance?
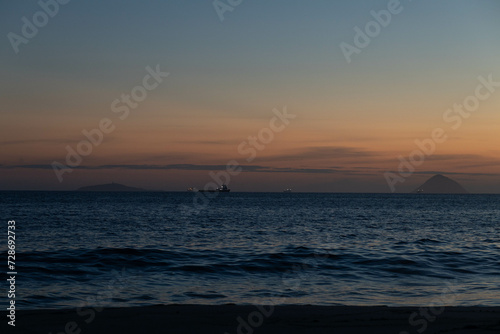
(352, 120)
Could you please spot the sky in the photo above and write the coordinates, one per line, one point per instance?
(234, 69)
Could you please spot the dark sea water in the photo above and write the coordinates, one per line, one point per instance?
(129, 249)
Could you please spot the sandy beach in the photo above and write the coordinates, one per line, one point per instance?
(254, 319)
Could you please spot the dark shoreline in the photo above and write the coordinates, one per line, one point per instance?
(248, 319)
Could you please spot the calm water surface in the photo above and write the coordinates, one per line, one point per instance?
(129, 249)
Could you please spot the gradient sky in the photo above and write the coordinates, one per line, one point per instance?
(352, 119)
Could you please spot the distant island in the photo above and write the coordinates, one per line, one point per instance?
(109, 187)
(440, 184)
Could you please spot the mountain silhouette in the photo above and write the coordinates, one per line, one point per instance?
(109, 187)
(440, 184)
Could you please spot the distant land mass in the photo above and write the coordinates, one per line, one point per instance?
(109, 187)
(440, 184)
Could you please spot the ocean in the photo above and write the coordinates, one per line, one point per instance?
(77, 249)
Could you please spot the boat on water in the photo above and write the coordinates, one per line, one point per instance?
(288, 190)
(222, 189)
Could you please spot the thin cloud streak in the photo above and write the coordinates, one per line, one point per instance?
(39, 141)
(359, 171)
(192, 167)
(323, 152)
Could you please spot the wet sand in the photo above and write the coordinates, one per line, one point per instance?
(232, 319)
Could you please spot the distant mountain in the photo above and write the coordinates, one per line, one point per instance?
(440, 184)
(109, 187)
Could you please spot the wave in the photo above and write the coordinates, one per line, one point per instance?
(87, 262)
